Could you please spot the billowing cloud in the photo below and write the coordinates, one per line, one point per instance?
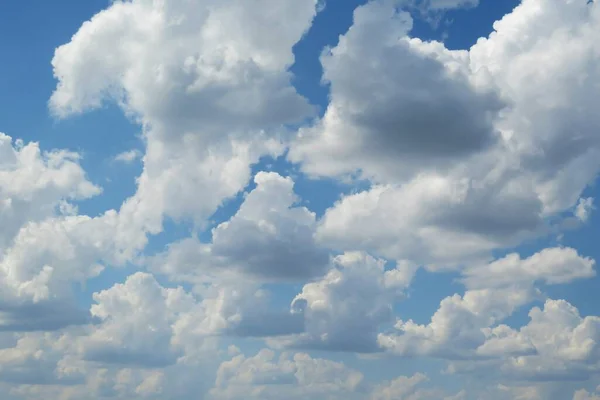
(468, 153)
(44, 246)
(467, 326)
(295, 376)
(270, 238)
(407, 388)
(504, 185)
(414, 107)
(344, 310)
(35, 184)
(298, 376)
(136, 324)
(552, 266)
(207, 80)
(566, 344)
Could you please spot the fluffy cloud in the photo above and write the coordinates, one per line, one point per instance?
(408, 388)
(343, 310)
(465, 326)
(296, 376)
(48, 258)
(207, 80)
(557, 345)
(240, 310)
(467, 152)
(35, 185)
(551, 266)
(39, 359)
(431, 220)
(566, 344)
(456, 329)
(142, 324)
(136, 323)
(413, 107)
(44, 246)
(585, 395)
(268, 239)
(506, 180)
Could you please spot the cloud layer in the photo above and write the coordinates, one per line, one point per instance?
(470, 161)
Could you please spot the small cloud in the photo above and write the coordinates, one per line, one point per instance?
(584, 209)
(128, 157)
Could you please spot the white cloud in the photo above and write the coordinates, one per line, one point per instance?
(489, 190)
(406, 388)
(136, 328)
(34, 184)
(554, 134)
(293, 376)
(469, 151)
(39, 359)
(344, 310)
(207, 80)
(584, 209)
(432, 220)
(560, 346)
(300, 376)
(466, 326)
(456, 328)
(552, 265)
(128, 156)
(414, 106)
(566, 344)
(145, 325)
(45, 247)
(270, 238)
(585, 395)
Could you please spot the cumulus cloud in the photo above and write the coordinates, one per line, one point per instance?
(48, 258)
(343, 310)
(136, 324)
(498, 191)
(34, 184)
(414, 107)
(557, 345)
(566, 344)
(270, 238)
(552, 266)
(456, 328)
(45, 247)
(294, 376)
(142, 324)
(467, 326)
(207, 80)
(585, 395)
(298, 376)
(407, 388)
(432, 220)
(467, 152)
(39, 359)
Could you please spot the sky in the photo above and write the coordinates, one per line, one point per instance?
(291, 199)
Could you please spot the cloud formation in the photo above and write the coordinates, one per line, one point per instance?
(463, 158)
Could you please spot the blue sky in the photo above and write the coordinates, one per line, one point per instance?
(366, 189)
